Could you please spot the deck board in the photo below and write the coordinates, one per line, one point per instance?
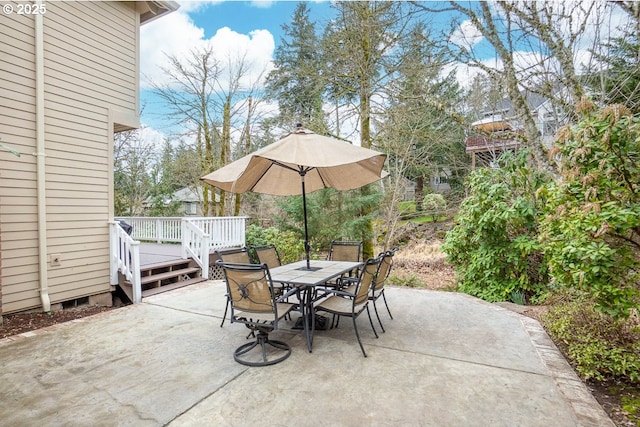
(157, 253)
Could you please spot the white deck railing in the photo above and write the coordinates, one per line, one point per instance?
(199, 236)
(125, 258)
(195, 243)
(155, 229)
(224, 231)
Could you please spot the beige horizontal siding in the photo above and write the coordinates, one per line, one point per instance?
(18, 212)
(90, 69)
(18, 96)
(106, 52)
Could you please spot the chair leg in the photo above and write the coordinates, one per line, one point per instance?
(387, 305)
(375, 308)
(358, 335)
(224, 316)
(262, 340)
(371, 322)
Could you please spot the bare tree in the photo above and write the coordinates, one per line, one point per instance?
(209, 97)
(188, 94)
(133, 160)
(553, 33)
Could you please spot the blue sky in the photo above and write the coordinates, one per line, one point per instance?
(246, 16)
(252, 29)
(231, 27)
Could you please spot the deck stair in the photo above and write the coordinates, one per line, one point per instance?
(164, 276)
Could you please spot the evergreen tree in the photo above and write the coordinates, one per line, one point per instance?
(296, 81)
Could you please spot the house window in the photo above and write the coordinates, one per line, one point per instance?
(190, 208)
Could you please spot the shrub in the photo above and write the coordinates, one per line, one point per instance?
(434, 202)
(591, 232)
(494, 246)
(289, 246)
(600, 346)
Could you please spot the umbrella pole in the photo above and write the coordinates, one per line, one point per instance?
(306, 230)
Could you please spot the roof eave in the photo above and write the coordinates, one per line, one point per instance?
(151, 10)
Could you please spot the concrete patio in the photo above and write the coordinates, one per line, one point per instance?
(446, 360)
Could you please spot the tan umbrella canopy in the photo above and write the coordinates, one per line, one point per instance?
(302, 162)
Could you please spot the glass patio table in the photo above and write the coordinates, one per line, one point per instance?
(296, 274)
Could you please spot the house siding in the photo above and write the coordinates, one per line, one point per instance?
(90, 76)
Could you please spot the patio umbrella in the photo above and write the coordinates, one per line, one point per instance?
(301, 162)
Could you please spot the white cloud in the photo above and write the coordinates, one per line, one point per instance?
(171, 35)
(262, 4)
(253, 51)
(466, 35)
(153, 137)
(195, 5)
(176, 34)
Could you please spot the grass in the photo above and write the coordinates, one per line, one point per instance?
(424, 219)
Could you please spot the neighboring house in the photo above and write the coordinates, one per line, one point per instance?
(190, 201)
(494, 132)
(437, 184)
(69, 80)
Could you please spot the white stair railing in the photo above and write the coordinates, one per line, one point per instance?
(199, 236)
(195, 244)
(125, 258)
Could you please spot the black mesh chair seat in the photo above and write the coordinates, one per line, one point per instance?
(344, 250)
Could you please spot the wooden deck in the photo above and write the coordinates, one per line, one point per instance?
(156, 253)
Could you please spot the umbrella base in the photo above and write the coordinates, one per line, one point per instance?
(309, 269)
(322, 323)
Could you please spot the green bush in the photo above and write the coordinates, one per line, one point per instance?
(494, 245)
(289, 246)
(591, 230)
(434, 203)
(600, 346)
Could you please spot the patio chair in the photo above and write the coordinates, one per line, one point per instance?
(345, 250)
(341, 250)
(235, 255)
(267, 254)
(341, 303)
(377, 287)
(254, 304)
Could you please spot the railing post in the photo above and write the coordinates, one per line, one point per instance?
(204, 251)
(113, 253)
(243, 231)
(185, 238)
(135, 272)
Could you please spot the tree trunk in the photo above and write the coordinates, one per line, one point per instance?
(419, 194)
(225, 149)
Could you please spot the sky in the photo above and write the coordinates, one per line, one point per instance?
(254, 27)
(235, 27)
